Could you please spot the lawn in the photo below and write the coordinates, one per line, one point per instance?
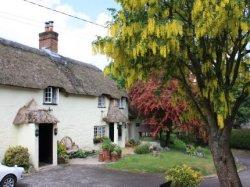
(162, 162)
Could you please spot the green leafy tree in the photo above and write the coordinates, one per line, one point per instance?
(202, 43)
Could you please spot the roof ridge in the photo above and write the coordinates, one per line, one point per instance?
(46, 53)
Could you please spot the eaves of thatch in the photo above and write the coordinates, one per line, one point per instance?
(28, 67)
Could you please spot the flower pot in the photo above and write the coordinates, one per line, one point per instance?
(114, 157)
(101, 159)
(106, 155)
(166, 184)
(61, 160)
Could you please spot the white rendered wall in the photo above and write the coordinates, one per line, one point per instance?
(26, 138)
(77, 115)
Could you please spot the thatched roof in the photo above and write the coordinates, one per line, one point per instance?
(30, 113)
(28, 67)
(114, 114)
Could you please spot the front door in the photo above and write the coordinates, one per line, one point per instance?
(111, 132)
(45, 144)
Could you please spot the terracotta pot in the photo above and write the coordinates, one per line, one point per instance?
(114, 157)
(101, 159)
(106, 155)
(61, 160)
(119, 155)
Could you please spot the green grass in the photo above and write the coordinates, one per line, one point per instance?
(162, 162)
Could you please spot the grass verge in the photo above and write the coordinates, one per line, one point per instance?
(161, 162)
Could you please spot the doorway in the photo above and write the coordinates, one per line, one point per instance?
(111, 132)
(45, 144)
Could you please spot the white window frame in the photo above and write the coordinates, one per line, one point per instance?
(51, 95)
(122, 103)
(99, 131)
(101, 102)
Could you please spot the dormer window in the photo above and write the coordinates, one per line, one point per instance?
(101, 102)
(122, 103)
(51, 95)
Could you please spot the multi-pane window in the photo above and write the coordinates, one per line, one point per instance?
(122, 103)
(50, 95)
(99, 131)
(101, 102)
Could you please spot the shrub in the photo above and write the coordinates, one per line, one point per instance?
(17, 155)
(117, 149)
(62, 152)
(193, 151)
(177, 143)
(108, 145)
(81, 154)
(142, 149)
(132, 143)
(183, 176)
(240, 139)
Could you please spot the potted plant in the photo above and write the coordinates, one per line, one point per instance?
(182, 176)
(101, 159)
(118, 150)
(107, 148)
(114, 156)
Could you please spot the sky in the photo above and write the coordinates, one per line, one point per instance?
(22, 22)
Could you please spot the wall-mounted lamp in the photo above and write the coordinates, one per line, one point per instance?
(55, 131)
(37, 132)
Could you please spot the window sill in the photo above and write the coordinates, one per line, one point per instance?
(50, 104)
(101, 106)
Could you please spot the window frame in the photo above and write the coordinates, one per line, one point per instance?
(99, 131)
(51, 96)
(101, 101)
(122, 103)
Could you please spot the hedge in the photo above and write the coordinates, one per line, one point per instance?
(240, 139)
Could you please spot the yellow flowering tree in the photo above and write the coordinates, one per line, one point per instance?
(202, 43)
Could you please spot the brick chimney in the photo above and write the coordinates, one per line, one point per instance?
(49, 38)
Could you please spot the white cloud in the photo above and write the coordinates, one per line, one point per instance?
(21, 22)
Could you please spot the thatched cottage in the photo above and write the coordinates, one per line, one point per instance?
(45, 97)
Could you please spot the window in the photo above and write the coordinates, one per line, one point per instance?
(101, 102)
(51, 95)
(99, 131)
(122, 103)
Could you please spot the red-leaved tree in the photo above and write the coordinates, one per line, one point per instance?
(161, 107)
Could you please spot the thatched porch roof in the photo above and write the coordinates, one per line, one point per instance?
(31, 113)
(114, 114)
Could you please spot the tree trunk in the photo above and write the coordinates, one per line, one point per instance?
(168, 133)
(219, 143)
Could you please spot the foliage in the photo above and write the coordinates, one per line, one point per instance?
(99, 139)
(243, 115)
(183, 176)
(17, 155)
(176, 143)
(119, 78)
(212, 65)
(132, 143)
(108, 145)
(195, 151)
(163, 162)
(240, 139)
(117, 150)
(62, 152)
(81, 154)
(142, 149)
(166, 108)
